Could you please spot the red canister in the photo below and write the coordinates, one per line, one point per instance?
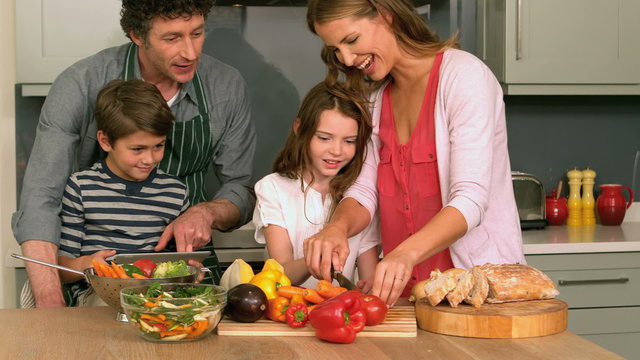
(556, 210)
(612, 205)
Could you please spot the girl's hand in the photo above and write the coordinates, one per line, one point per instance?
(365, 285)
(84, 262)
(324, 250)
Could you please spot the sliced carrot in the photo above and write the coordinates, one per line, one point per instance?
(119, 271)
(312, 296)
(97, 268)
(138, 276)
(199, 327)
(108, 272)
(289, 291)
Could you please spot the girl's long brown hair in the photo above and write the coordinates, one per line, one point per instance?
(411, 31)
(294, 159)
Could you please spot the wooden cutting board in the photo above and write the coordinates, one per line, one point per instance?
(400, 322)
(505, 321)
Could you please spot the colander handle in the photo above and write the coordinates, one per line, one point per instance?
(207, 270)
(59, 267)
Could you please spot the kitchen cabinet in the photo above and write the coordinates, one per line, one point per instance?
(51, 35)
(548, 47)
(603, 293)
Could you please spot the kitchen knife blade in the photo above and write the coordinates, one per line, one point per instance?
(344, 281)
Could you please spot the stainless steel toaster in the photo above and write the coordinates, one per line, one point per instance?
(530, 200)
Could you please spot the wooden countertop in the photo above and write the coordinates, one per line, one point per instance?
(93, 333)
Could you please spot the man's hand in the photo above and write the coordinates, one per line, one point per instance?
(44, 280)
(326, 249)
(192, 230)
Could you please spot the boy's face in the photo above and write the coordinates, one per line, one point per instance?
(134, 156)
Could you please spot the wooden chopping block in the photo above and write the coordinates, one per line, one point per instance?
(504, 321)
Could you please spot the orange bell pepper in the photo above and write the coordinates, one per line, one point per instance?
(276, 309)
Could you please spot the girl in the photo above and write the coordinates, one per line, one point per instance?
(322, 157)
(440, 171)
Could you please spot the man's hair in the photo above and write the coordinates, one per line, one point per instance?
(137, 15)
(124, 107)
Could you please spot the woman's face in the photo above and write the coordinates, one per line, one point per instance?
(366, 44)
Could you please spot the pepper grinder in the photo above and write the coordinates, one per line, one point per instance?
(574, 202)
(588, 202)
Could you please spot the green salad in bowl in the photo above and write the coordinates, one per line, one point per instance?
(174, 312)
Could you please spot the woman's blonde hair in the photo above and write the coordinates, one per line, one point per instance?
(294, 159)
(410, 29)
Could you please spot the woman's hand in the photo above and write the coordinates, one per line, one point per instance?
(326, 249)
(392, 275)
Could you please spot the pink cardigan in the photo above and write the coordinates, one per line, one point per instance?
(473, 162)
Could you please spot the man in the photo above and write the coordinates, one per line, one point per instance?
(208, 99)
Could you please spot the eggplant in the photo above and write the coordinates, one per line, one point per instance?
(245, 303)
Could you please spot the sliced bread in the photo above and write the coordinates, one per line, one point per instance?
(440, 284)
(480, 289)
(464, 283)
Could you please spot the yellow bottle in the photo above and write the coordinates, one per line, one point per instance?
(588, 202)
(574, 202)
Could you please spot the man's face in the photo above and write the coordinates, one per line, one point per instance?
(172, 49)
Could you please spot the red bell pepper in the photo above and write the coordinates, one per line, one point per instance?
(296, 315)
(340, 318)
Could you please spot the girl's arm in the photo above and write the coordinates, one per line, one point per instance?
(366, 263)
(80, 263)
(280, 249)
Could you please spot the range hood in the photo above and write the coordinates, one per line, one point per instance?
(290, 2)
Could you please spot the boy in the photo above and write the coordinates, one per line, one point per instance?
(122, 203)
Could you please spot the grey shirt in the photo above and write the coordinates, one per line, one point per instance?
(66, 137)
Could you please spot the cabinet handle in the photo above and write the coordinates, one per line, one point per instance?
(519, 30)
(593, 281)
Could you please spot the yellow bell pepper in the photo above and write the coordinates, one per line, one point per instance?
(269, 281)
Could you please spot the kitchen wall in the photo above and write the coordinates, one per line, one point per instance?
(549, 135)
(7, 150)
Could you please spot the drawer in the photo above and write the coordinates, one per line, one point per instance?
(605, 321)
(593, 280)
(598, 288)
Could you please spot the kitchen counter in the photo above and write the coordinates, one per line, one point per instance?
(92, 333)
(582, 239)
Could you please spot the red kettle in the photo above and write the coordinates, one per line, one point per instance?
(612, 205)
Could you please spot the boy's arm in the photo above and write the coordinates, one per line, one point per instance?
(81, 263)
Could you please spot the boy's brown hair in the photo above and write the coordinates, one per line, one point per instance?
(127, 106)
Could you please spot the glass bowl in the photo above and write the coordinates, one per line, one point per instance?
(174, 312)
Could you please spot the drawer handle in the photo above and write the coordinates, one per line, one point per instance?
(593, 281)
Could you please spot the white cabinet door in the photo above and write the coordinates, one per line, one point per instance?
(53, 34)
(575, 44)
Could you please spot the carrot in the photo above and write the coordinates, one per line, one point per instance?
(108, 272)
(119, 271)
(97, 268)
(138, 276)
(310, 308)
(312, 296)
(152, 317)
(327, 290)
(289, 291)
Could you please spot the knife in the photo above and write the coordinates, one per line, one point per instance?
(344, 281)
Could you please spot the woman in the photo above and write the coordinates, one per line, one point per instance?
(438, 165)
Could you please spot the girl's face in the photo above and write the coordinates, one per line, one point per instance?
(132, 157)
(333, 145)
(366, 44)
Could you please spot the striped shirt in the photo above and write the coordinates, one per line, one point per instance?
(102, 211)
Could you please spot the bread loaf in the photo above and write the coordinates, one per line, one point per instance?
(480, 289)
(464, 283)
(517, 282)
(440, 284)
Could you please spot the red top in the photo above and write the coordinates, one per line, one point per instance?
(408, 184)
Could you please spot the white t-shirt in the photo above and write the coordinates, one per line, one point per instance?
(280, 201)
